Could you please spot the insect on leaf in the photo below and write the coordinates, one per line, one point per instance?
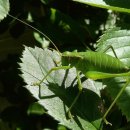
(59, 89)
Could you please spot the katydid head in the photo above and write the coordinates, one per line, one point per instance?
(65, 60)
(70, 58)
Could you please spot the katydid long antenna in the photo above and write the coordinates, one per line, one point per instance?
(35, 30)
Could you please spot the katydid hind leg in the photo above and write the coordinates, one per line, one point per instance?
(76, 98)
(110, 47)
(114, 102)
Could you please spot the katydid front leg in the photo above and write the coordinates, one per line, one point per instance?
(50, 71)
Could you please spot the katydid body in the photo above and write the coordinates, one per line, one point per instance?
(95, 65)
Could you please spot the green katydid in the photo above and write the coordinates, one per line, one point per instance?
(95, 69)
(94, 65)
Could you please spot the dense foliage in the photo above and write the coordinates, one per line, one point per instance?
(25, 59)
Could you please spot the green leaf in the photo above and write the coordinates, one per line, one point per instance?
(120, 5)
(59, 90)
(120, 41)
(4, 8)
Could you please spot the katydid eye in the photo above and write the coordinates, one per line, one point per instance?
(66, 53)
